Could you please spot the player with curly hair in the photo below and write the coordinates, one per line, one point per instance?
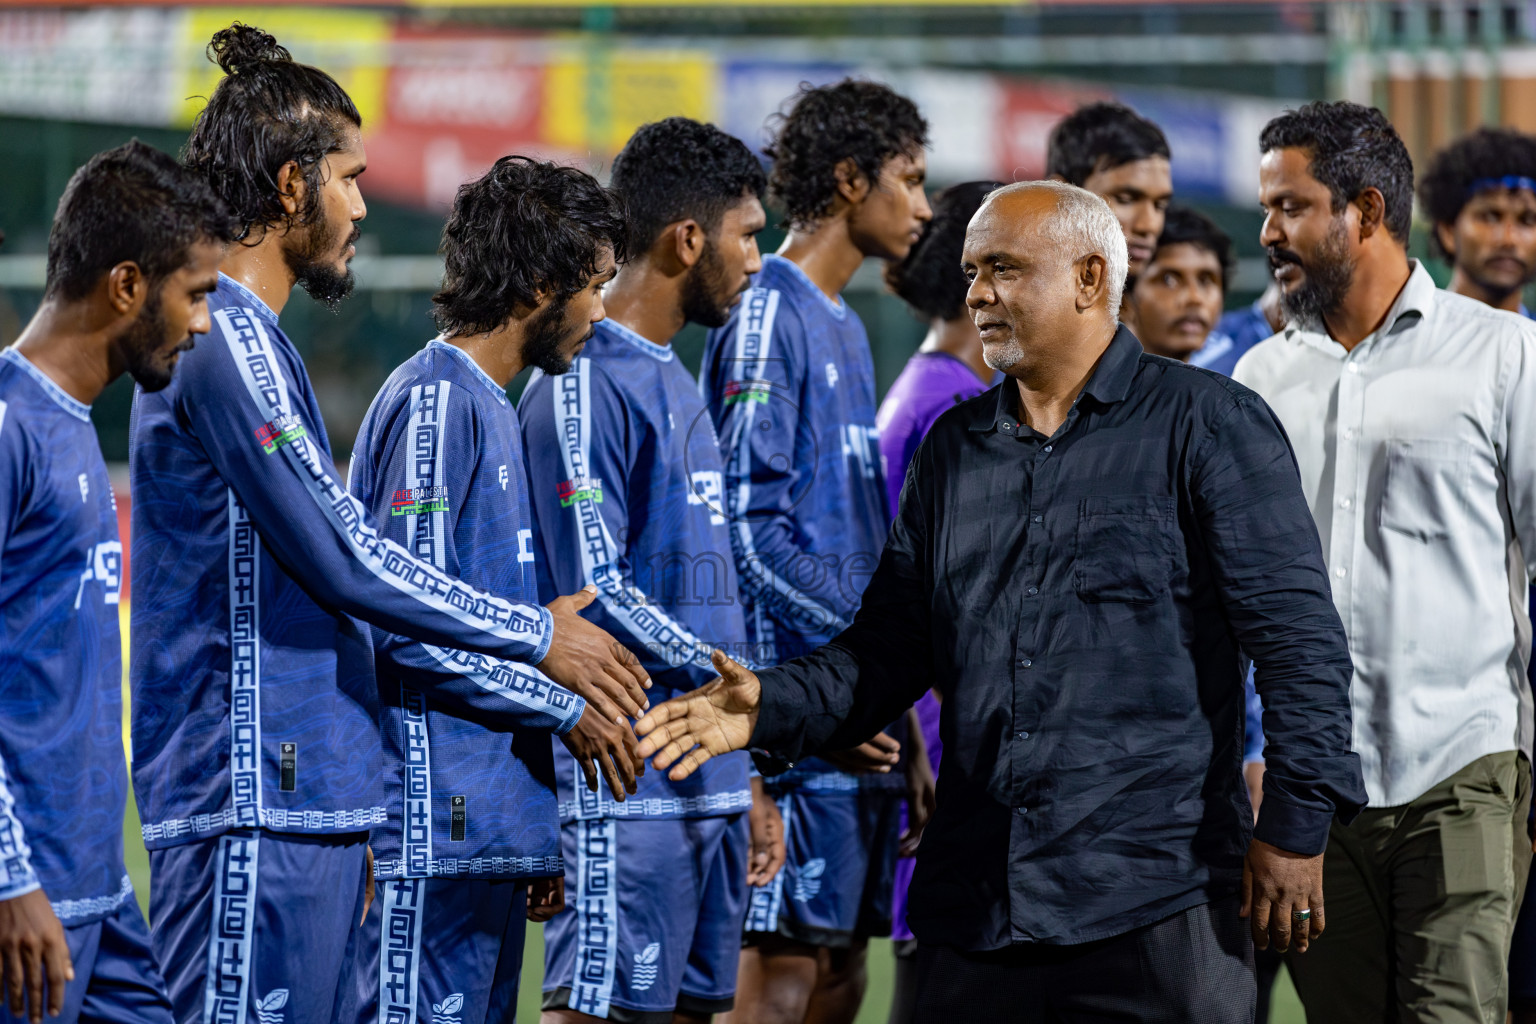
(790, 385)
(439, 461)
(1480, 194)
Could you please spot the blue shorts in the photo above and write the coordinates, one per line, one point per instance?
(257, 927)
(452, 951)
(652, 918)
(116, 979)
(839, 873)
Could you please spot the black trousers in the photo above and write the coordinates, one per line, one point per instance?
(1195, 967)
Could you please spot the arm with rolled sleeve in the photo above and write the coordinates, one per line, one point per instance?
(846, 691)
(237, 396)
(489, 690)
(1267, 564)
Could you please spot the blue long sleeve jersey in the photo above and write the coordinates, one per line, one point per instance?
(791, 388)
(63, 780)
(468, 777)
(628, 497)
(254, 701)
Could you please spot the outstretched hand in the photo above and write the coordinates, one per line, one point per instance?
(589, 662)
(715, 719)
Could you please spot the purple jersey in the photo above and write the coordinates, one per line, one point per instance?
(930, 383)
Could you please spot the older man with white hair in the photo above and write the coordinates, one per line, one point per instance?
(1083, 557)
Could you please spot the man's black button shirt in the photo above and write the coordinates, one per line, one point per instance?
(1080, 602)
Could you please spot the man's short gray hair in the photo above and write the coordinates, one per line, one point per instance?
(1084, 225)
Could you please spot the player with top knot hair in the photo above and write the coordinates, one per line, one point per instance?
(255, 708)
(790, 385)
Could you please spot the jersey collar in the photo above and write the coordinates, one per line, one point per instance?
(247, 298)
(838, 309)
(660, 353)
(474, 367)
(75, 408)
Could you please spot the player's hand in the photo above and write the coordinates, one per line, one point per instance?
(767, 829)
(717, 718)
(34, 957)
(876, 756)
(586, 660)
(546, 898)
(922, 799)
(367, 885)
(606, 747)
(1276, 883)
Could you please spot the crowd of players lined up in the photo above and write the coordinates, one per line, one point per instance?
(343, 690)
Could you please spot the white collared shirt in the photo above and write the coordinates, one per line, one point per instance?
(1417, 452)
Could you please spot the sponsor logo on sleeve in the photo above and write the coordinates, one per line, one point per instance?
(747, 391)
(416, 501)
(276, 433)
(581, 488)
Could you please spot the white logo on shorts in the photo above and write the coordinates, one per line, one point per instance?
(808, 879)
(446, 1012)
(270, 1007)
(646, 967)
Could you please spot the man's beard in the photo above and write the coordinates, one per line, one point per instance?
(313, 263)
(1005, 357)
(1326, 281)
(143, 342)
(704, 291)
(547, 336)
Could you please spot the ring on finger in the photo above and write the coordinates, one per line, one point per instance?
(1300, 917)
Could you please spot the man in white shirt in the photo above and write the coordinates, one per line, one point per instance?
(1413, 416)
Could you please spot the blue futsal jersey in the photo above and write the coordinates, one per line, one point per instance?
(254, 700)
(63, 779)
(628, 495)
(791, 388)
(468, 777)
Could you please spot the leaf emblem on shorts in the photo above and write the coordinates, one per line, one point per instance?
(808, 879)
(275, 1000)
(646, 967)
(649, 955)
(443, 1012)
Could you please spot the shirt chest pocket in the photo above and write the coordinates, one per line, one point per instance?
(1424, 487)
(1125, 548)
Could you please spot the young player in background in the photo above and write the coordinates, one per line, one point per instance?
(1120, 156)
(656, 887)
(1480, 194)
(946, 370)
(790, 387)
(469, 781)
(255, 732)
(134, 250)
(1180, 291)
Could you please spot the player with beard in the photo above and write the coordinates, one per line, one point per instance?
(790, 386)
(469, 780)
(1411, 412)
(133, 253)
(1480, 194)
(255, 729)
(656, 887)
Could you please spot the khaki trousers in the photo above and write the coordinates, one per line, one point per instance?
(1421, 903)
